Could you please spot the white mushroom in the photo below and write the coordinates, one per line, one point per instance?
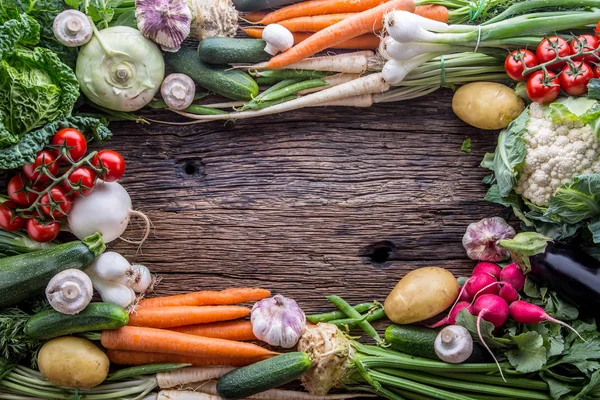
(70, 291)
(278, 38)
(72, 28)
(178, 91)
(454, 344)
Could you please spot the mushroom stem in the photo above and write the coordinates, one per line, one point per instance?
(74, 26)
(70, 290)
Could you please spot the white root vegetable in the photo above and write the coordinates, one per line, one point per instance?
(350, 63)
(363, 101)
(333, 80)
(140, 279)
(184, 395)
(106, 210)
(213, 18)
(368, 84)
(188, 375)
(113, 292)
(405, 51)
(210, 387)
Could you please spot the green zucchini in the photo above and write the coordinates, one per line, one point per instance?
(419, 341)
(223, 50)
(96, 317)
(220, 79)
(27, 275)
(264, 375)
(257, 5)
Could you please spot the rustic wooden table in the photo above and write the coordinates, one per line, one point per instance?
(310, 203)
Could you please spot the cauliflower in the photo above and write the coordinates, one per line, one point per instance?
(557, 152)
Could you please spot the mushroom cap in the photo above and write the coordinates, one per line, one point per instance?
(454, 344)
(178, 91)
(72, 28)
(278, 38)
(70, 291)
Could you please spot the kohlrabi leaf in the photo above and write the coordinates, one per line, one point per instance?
(530, 353)
(577, 201)
(25, 151)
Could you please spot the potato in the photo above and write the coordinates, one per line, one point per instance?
(73, 362)
(487, 105)
(421, 294)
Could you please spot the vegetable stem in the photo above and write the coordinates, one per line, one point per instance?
(333, 315)
(352, 313)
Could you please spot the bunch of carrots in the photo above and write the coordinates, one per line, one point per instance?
(318, 25)
(199, 328)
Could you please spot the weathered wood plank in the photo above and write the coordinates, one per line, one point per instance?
(308, 203)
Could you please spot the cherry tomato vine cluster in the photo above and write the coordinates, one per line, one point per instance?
(555, 65)
(42, 194)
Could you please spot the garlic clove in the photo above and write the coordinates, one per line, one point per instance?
(481, 240)
(278, 321)
(166, 22)
(72, 28)
(70, 291)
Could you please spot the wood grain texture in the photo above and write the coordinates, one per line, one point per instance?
(310, 203)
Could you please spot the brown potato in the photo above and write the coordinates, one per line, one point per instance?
(421, 294)
(487, 105)
(73, 362)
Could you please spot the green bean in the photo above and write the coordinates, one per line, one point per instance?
(293, 89)
(266, 104)
(201, 110)
(337, 314)
(280, 85)
(352, 313)
(149, 369)
(281, 74)
(373, 315)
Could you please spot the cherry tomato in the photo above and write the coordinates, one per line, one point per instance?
(516, 62)
(597, 30)
(18, 190)
(73, 140)
(597, 71)
(9, 221)
(48, 159)
(42, 232)
(62, 203)
(546, 51)
(543, 88)
(113, 162)
(584, 43)
(575, 77)
(80, 182)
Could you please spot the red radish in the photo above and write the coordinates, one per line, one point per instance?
(527, 313)
(451, 317)
(463, 295)
(481, 284)
(487, 268)
(493, 309)
(513, 275)
(508, 292)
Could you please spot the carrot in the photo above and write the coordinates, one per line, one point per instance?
(367, 41)
(255, 16)
(359, 24)
(170, 317)
(230, 330)
(135, 338)
(208, 298)
(319, 7)
(313, 23)
(125, 357)
(435, 12)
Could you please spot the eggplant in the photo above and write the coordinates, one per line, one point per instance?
(572, 273)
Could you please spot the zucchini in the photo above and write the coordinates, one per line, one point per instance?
(257, 5)
(96, 317)
(26, 275)
(220, 79)
(418, 341)
(264, 375)
(223, 50)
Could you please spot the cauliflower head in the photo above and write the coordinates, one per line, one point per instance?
(557, 152)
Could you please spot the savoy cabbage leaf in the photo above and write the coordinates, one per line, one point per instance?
(578, 200)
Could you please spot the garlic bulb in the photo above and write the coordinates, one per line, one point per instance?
(482, 238)
(166, 22)
(279, 321)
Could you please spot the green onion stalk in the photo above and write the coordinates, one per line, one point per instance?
(342, 363)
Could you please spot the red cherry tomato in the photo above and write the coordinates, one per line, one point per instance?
(574, 78)
(543, 88)
(584, 43)
(517, 61)
(80, 182)
(9, 221)
(547, 49)
(597, 72)
(597, 30)
(73, 140)
(18, 190)
(48, 159)
(62, 203)
(42, 232)
(113, 162)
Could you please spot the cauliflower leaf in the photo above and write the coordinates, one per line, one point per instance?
(577, 201)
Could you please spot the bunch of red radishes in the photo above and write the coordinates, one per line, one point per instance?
(492, 294)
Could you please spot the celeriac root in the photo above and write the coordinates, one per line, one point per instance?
(213, 18)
